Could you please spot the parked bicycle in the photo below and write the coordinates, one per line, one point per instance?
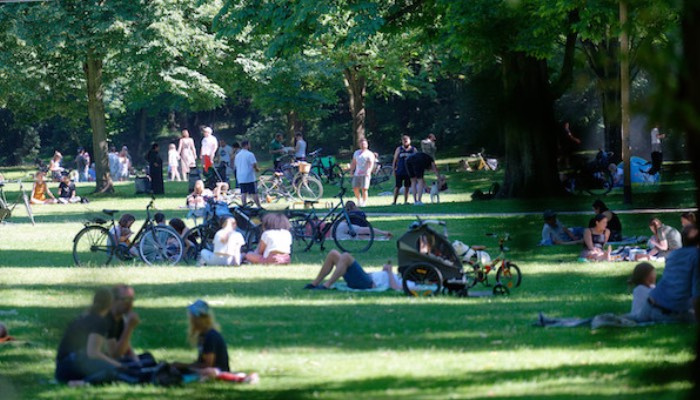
(350, 232)
(202, 235)
(7, 208)
(325, 168)
(96, 244)
(302, 185)
(594, 177)
(507, 273)
(383, 171)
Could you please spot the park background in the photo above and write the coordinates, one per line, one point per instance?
(502, 76)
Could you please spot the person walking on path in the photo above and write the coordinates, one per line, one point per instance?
(208, 149)
(246, 166)
(155, 169)
(399, 164)
(427, 145)
(188, 153)
(362, 165)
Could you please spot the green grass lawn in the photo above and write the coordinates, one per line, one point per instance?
(330, 345)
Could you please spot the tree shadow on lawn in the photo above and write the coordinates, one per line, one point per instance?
(537, 383)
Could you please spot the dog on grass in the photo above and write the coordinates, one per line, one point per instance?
(438, 186)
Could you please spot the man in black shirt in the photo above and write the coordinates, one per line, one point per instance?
(121, 322)
(66, 191)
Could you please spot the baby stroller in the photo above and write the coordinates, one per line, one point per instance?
(428, 263)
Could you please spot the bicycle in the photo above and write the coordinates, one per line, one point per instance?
(6, 208)
(595, 176)
(325, 167)
(303, 186)
(96, 244)
(350, 232)
(382, 172)
(203, 234)
(507, 273)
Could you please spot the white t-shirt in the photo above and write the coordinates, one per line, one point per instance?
(364, 161)
(225, 154)
(655, 140)
(173, 158)
(244, 166)
(381, 280)
(209, 146)
(300, 149)
(232, 247)
(277, 240)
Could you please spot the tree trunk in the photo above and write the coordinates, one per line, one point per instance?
(294, 125)
(690, 89)
(142, 119)
(604, 61)
(356, 86)
(96, 112)
(530, 129)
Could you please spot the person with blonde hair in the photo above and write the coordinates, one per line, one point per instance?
(173, 163)
(55, 166)
(197, 199)
(212, 358)
(275, 245)
(187, 152)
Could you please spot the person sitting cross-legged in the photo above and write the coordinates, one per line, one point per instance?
(227, 245)
(344, 265)
(275, 245)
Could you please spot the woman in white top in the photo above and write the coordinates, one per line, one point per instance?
(188, 153)
(55, 166)
(197, 199)
(227, 246)
(300, 148)
(124, 164)
(275, 245)
(173, 163)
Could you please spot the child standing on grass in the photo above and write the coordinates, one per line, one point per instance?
(212, 353)
(173, 163)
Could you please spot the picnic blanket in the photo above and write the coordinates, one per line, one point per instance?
(599, 321)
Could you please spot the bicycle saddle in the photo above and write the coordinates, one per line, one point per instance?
(478, 248)
(278, 173)
(110, 212)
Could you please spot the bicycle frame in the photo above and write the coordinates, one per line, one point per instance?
(331, 217)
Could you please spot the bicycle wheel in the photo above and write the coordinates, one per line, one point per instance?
(335, 174)
(508, 275)
(383, 175)
(28, 207)
(252, 238)
(203, 238)
(161, 245)
(422, 280)
(351, 236)
(92, 247)
(471, 274)
(601, 183)
(303, 230)
(266, 188)
(309, 188)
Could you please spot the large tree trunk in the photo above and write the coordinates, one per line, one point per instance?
(530, 129)
(356, 86)
(604, 60)
(141, 127)
(294, 125)
(96, 112)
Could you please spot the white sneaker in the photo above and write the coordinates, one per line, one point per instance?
(418, 203)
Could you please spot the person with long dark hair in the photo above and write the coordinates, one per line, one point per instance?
(155, 169)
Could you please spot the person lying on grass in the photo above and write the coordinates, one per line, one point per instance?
(359, 225)
(344, 265)
(227, 245)
(212, 353)
(554, 232)
(275, 245)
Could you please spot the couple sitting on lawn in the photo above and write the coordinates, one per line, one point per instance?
(275, 244)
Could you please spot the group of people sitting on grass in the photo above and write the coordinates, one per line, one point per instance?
(96, 346)
(675, 298)
(605, 229)
(41, 194)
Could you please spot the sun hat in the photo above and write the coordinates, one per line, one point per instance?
(198, 308)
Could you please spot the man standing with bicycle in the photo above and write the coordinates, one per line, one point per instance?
(362, 166)
(246, 166)
(399, 165)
